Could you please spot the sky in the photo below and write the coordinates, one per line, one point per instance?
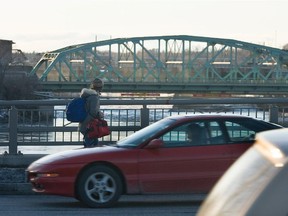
(42, 26)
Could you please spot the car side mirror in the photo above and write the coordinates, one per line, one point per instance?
(155, 144)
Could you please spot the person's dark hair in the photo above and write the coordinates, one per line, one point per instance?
(97, 84)
(194, 127)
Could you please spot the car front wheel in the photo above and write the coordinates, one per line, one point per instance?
(99, 187)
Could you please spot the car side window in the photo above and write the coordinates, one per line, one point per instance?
(189, 134)
(238, 132)
(216, 133)
(174, 137)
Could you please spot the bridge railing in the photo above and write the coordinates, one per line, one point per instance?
(40, 125)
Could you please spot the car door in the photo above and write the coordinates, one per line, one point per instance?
(180, 166)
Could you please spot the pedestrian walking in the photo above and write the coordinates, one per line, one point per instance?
(92, 96)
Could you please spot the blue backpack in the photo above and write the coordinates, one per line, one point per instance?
(76, 110)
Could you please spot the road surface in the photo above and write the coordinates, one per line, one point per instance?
(43, 205)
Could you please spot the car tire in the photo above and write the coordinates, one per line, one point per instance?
(99, 187)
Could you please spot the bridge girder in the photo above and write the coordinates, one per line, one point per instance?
(177, 63)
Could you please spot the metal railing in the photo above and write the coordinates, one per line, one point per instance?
(42, 124)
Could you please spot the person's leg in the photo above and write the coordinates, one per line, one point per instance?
(88, 143)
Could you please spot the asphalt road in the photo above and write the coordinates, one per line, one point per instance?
(43, 205)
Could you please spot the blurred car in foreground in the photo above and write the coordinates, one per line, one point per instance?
(178, 154)
(257, 183)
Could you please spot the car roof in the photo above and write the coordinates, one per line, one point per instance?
(274, 138)
(206, 116)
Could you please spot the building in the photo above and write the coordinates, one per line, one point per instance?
(5, 52)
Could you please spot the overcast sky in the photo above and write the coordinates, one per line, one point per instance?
(40, 26)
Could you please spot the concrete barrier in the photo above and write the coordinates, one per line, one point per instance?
(13, 179)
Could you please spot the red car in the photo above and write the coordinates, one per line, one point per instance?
(178, 154)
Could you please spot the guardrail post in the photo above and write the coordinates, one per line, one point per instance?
(273, 113)
(13, 121)
(144, 116)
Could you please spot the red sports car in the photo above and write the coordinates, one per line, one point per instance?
(178, 154)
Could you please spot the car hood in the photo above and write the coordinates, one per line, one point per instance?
(82, 155)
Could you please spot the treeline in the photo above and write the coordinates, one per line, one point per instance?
(15, 84)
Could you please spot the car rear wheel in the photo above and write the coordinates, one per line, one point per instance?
(99, 187)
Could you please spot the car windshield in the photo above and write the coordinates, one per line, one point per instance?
(144, 134)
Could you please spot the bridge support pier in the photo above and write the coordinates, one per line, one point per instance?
(144, 116)
(13, 122)
(273, 113)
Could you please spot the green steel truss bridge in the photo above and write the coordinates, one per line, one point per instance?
(170, 64)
